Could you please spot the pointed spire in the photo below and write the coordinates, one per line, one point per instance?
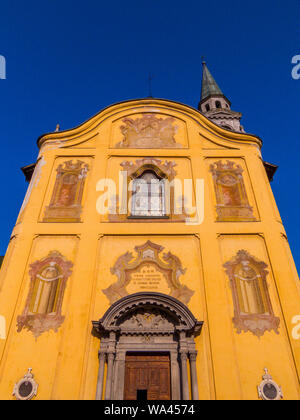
(214, 104)
(209, 85)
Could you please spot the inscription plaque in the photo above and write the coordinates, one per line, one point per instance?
(148, 278)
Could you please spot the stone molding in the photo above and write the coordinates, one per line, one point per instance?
(183, 319)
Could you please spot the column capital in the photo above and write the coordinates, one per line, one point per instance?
(101, 354)
(183, 355)
(111, 355)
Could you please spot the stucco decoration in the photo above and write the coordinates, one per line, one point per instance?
(48, 279)
(148, 272)
(252, 305)
(149, 131)
(163, 169)
(65, 204)
(231, 195)
(144, 320)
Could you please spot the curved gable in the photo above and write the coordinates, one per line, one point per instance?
(147, 123)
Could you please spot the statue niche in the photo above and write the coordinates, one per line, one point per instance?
(47, 285)
(231, 195)
(252, 305)
(65, 204)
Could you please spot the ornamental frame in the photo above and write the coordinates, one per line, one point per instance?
(230, 212)
(257, 323)
(28, 378)
(38, 323)
(268, 381)
(57, 212)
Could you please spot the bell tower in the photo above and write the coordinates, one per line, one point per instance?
(215, 106)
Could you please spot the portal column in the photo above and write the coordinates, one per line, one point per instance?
(110, 364)
(194, 380)
(175, 376)
(184, 371)
(99, 392)
(119, 376)
(184, 376)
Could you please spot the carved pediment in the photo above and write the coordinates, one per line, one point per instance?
(147, 320)
(146, 312)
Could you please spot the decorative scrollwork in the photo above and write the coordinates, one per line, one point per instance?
(169, 266)
(148, 131)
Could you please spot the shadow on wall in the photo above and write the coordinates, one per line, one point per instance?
(1, 260)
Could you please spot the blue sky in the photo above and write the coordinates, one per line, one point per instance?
(66, 60)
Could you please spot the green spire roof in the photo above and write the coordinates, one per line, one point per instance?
(209, 85)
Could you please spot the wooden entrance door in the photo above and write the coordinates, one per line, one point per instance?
(147, 376)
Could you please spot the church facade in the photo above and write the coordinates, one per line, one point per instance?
(149, 261)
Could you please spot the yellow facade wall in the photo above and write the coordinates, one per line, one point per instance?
(230, 365)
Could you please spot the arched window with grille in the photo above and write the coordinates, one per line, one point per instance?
(148, 195)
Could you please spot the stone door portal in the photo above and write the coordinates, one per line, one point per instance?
(147, 376)
(147, 345)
